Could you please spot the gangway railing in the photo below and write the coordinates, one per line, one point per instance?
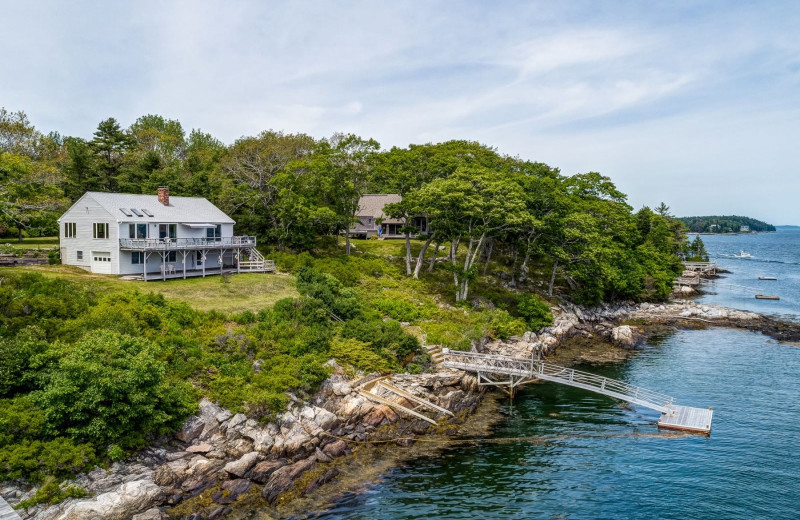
(524, 369)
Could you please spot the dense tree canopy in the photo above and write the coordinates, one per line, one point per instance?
(291, 189)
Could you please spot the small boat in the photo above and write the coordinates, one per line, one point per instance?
(767, 278)
(743, 254)
(767, 297)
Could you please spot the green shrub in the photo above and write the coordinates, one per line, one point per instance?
(535, 311)
(359, 355)
(502, 325)
(386, 338)
(34, 460)
(341, 301)
(51, 493)
(397, 309)
(110, 388)
(16, 355)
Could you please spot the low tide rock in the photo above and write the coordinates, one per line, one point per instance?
(335, 449)
(262, 471)
(240, 467)
(282, 479)
(200, 448)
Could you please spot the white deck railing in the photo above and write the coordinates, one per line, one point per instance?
(495, 364)
(168, 244)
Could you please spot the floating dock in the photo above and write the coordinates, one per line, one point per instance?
(767, 278)
(767, 297)
(687, 419)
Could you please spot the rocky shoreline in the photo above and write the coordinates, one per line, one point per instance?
(220, 458)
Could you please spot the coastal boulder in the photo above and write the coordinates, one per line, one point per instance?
(624, 337)
(240, 467)
(192, 429)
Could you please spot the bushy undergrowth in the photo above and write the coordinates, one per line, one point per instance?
(87, 378)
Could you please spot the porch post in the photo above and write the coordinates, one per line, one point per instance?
(203, 256)
(238, 260)
(164, 266)
(221, 262)
(146, 254)
(184, 263)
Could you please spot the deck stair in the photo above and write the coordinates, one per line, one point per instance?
(435, 352)
(6, 512)
(256, 262)
(510, 372)
(382, 391)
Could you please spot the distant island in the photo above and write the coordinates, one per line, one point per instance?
(725, 224)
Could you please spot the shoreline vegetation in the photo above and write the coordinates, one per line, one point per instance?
(721, 224)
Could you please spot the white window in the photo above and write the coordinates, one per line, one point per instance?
(70, 229)
(79, 255)
(137, 257)
(100, 229)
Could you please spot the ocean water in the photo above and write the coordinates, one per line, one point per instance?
(561, 452)
(773, 254)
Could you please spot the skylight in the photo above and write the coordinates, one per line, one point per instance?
(136, 212)
(126, 212)
(147, 212)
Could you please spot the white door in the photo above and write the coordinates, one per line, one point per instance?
(101, 262)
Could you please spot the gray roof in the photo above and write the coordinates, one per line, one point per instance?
(180, 209)
(372, 205)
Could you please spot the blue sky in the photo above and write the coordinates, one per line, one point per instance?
(693, 103)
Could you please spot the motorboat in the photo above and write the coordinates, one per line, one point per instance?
(743, 254)
(767, 278)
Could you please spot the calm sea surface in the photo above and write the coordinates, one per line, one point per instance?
(574, 454)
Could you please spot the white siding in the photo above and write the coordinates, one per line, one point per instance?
(84, 213)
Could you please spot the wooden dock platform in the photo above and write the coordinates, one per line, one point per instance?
(687, 418)
(6, 513)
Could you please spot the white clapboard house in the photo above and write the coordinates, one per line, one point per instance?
(154, 237)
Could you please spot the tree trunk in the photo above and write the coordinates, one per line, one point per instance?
(453, 246)
(514, 269)
(523, 270)
(433, 258)
(19, 229)
(488, 257)
(552, 278)
(347, 241)
(421, 257)
(408, 252)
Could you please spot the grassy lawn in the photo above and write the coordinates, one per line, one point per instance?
(31, 243)
(243, 292)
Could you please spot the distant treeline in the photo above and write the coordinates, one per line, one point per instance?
(724, 224)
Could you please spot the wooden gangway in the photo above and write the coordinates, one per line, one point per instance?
(6, 513)
(494, 369)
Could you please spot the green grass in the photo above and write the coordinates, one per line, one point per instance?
(242, 292)
(31, 243)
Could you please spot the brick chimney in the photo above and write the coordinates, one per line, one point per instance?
(163, 195)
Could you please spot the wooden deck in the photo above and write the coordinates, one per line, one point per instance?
(6, 513)
(686, 418)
